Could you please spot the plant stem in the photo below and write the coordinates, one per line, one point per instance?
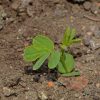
(63, 59)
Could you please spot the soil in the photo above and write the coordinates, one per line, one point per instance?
(20, 20)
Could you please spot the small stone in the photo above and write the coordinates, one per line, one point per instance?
(28, 70)
(86, 40)
(79, 83)
(9, 20)
(59, 11)
(36, 77)
(25, 3)
(96, 96)
(12, 81)
(23, 84)
(15, 5)
(94, 9)
(42, 96)
(1, 27)
(77, 95)
(89, 58)
(30, 11)
(92, 44)
(79, 0)
(89, 33)
(31, 95)
(62, 99)
(87, 5)
(8, 92)
(97, 33)
(98, 85)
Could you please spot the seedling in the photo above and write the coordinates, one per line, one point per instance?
(42, 48)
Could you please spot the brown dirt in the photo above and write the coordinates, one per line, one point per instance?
(22, 19)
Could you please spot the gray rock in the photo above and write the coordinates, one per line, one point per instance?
(8, 92)
(25, 3)
(30, 11)
(42, 96)
(97, 33)
(94, 9)
(15, 5)
(87, 5)
(31, 95)
(86, 40)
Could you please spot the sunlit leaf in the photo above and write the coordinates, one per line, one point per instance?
(54, 59)
(43, 42)
(61, 68)
(66, 36)
(40, 61)
(31, 54)
(69, 62)
(72, 34)
(76, 40)
(74, 73)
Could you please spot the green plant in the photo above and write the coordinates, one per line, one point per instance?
(42, 48)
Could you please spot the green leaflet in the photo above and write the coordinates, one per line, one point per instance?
(66, 36)
(61, 68)
(76, 40)
(72, 34)
(69, 62)
(54, 59)
(43, 42)
(40, 61)
(74, 73)
(66, 65)
(31, 54)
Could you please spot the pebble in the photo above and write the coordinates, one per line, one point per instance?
(42, 96)
(98, 85)
(95, 30)
(62, 99)
(30, 11)
(25, 3)
(15, 5)
(97, 34)
(1, 27)
(87, 5)
(59, 11)
(89, 58)
(94, 9)
(94, 44)
(36, 77)
(2, 16)
(86, 40)
(96, 96)
(28, 70)
(30, 95)
(8, 92)
(77, 95)
(90, 42)
(13, 81)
